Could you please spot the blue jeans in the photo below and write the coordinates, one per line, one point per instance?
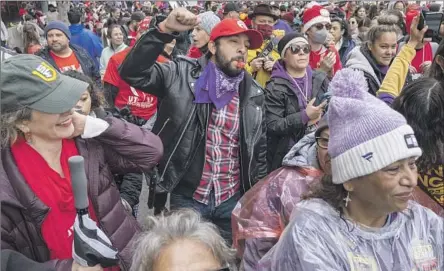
(220, 215)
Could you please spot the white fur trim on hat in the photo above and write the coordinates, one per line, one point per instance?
(375, 154)
(324, 17)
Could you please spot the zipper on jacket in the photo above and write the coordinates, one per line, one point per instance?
(163, 126)
(178, 142)
(252, 144)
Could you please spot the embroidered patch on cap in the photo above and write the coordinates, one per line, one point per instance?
(242, 24)
(45, 72)
(410, 141)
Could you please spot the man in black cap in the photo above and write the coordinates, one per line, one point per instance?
(280, 24)
(231, 11)
(131, 27)
(260, 66)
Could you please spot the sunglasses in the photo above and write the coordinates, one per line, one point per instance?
(322, 142)
(296, 48)
(321, 26)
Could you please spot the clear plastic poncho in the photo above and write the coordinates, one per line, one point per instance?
(317, 238)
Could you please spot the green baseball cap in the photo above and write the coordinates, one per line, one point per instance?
(28, 81)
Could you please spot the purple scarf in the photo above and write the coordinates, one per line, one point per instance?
(214, 86)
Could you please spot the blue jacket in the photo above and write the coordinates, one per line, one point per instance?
(87, 40)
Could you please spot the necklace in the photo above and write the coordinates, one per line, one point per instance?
(304, 94)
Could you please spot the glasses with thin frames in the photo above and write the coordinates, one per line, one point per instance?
(322, 142)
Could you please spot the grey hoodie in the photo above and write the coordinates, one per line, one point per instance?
(356, 60)
(303, 153)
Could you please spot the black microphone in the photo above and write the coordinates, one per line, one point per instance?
(79, 184)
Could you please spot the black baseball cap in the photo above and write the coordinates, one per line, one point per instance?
(28, 81)
(230, 6)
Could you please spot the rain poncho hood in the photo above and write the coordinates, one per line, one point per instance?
(263, 212)
(317, 238)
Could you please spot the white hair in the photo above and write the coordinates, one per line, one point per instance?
(164, 230)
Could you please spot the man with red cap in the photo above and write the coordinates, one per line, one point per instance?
(317, 25)
(211, 119)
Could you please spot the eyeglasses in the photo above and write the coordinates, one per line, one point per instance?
(322, 142)
(321, 26)
(296, 48)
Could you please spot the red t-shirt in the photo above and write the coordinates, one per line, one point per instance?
(132, 37)
(142, 104)
(423, 55)
(67, 63)
(315, 59)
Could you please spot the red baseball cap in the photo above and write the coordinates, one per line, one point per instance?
(232, 27)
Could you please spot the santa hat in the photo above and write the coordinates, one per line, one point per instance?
(315, 15)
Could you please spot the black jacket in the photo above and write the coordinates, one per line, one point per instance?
(284, 117)
(182, 124)
(87, 64)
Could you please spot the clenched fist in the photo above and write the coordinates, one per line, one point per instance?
(179, 20)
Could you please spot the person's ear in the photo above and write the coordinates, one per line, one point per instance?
(342, 32)
(23, 127)
(212, 47)
(348, 186)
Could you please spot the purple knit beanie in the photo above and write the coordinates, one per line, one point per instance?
(366, 135)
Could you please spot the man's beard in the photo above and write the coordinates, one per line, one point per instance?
(225, 65)
(59, 48)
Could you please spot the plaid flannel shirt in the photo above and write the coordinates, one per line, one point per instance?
(221, 170)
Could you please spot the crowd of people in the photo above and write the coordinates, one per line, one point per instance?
(206, 132)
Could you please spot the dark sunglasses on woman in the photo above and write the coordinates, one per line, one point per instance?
(321, 26)
(296, 48)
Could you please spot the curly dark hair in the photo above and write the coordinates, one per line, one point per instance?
(97, 98)
(422, 104)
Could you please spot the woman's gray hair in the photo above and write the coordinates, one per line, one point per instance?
(164, 230)
(8, 125)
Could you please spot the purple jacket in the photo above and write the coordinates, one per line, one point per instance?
(122, 148)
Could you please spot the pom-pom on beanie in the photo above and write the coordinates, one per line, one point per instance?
(366, 135)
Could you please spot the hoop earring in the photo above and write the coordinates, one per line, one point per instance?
(347, 199)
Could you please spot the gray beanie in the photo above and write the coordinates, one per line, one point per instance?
(208, 20)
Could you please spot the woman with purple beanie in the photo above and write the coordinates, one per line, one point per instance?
(362, 216)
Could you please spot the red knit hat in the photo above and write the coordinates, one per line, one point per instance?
(315, 15)
(409, 19)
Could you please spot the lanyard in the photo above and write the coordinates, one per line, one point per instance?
(304, 95)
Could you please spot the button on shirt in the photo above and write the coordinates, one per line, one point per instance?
(221, 170)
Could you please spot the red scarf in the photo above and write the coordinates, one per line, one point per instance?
(425, 54)
(55, 192)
